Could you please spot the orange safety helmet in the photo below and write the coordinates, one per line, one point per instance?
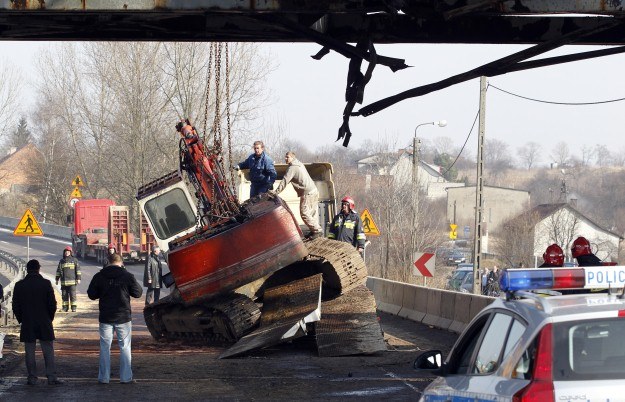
(554, 255)
(581, 246)
(68, 248)
(350, 201)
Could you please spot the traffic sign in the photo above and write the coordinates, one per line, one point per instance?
(453, 235)
(424, 264)
(368, 225)
(77, 182)
(76, 193)
(28, 226)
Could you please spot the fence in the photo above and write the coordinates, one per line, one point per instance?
(13, 268)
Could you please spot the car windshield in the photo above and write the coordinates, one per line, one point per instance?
(589, 350)
(456, 279)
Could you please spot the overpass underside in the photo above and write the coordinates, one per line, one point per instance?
(380, 21)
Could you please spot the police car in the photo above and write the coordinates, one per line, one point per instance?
(536, 344)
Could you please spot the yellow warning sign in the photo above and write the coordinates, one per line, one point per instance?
(77, 182)
(368, 225)
(28, 226)
(76, 193)
(453, 234)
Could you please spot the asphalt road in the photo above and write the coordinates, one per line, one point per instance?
(188, 371)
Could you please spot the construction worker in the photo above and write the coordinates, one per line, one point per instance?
(68, 272)
(346, 225)
(110, 250)
(553, 257)
(304, 186)
(583, 254)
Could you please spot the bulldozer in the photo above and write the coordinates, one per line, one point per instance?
(228, 258)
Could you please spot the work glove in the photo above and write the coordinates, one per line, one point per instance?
(78, 282)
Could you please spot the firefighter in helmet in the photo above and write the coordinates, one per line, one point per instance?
(110, 250)
(346, 225)
(582, 252)
(553, 257)
(68, 273)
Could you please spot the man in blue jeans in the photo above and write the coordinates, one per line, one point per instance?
(113, 286)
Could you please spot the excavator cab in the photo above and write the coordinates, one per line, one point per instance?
(168, 207)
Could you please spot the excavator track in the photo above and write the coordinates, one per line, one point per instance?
(223, 320)
(341, 264)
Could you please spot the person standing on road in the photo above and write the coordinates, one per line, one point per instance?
(114, 286)
(262, 172)
(553, 257)
(34, 306)
(68, 272)
(346, 226)
(304, 186)
(153, 276)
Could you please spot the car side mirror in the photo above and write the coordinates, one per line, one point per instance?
(430, 360)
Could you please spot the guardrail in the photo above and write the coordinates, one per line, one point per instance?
(14, 268)
(439, 308)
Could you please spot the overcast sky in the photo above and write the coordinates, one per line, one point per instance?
(308, 96)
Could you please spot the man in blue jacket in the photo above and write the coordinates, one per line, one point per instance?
(262, 171)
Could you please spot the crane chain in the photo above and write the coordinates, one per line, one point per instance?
(208, 87)
(232, 181)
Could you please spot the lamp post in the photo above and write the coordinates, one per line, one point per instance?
(415, 182)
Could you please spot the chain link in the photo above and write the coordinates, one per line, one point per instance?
(208, 87)
(229, 128)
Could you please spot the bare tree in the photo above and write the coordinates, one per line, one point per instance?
(514, 242)
(10, 88)
(561, 228)
(560, 153)
(529, 154)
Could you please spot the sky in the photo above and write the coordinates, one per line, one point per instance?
(307, 96)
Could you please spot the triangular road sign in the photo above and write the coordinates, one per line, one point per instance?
(368, 225)
(28, 226)
(77, 182)
(76, 193)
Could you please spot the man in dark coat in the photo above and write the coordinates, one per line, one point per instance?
(34, 306)
(153, 276)
(113, 286)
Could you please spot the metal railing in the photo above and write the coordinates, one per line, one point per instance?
(13, 268)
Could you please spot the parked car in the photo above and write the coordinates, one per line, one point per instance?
(462, 278)
(538, 345)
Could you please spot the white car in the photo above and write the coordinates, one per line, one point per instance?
(535, 345)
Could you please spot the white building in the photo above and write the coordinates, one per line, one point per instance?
(399, 165)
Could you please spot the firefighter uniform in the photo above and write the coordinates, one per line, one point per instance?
(348, 228)
(68, 273)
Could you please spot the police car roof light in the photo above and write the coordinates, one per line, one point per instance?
(539, 278)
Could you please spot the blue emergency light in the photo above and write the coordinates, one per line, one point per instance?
(542, 278)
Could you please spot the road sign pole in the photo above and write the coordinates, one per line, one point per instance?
(27, 248)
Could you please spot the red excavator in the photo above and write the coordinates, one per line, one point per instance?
(222, 253)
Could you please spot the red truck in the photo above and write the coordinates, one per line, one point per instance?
(98, 223)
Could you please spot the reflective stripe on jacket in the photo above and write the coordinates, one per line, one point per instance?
(68, 271)
(348, 229)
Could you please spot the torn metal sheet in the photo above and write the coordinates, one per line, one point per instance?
(349, 325)
(286, 311)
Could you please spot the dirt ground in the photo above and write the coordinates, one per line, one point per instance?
(178, 371)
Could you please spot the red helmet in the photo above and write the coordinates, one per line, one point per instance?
(68, 248)
(581, 246)
(554, 255)
(111, 245)
(350, 201)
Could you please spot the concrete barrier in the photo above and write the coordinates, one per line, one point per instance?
(436, 307)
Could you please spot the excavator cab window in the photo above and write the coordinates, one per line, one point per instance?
(170, 213)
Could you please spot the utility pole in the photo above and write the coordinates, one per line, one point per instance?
(415, 195)
(479, 189)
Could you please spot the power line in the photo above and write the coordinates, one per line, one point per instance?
(463, 145)
(556, 103)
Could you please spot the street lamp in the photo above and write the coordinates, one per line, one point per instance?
(415, 182)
